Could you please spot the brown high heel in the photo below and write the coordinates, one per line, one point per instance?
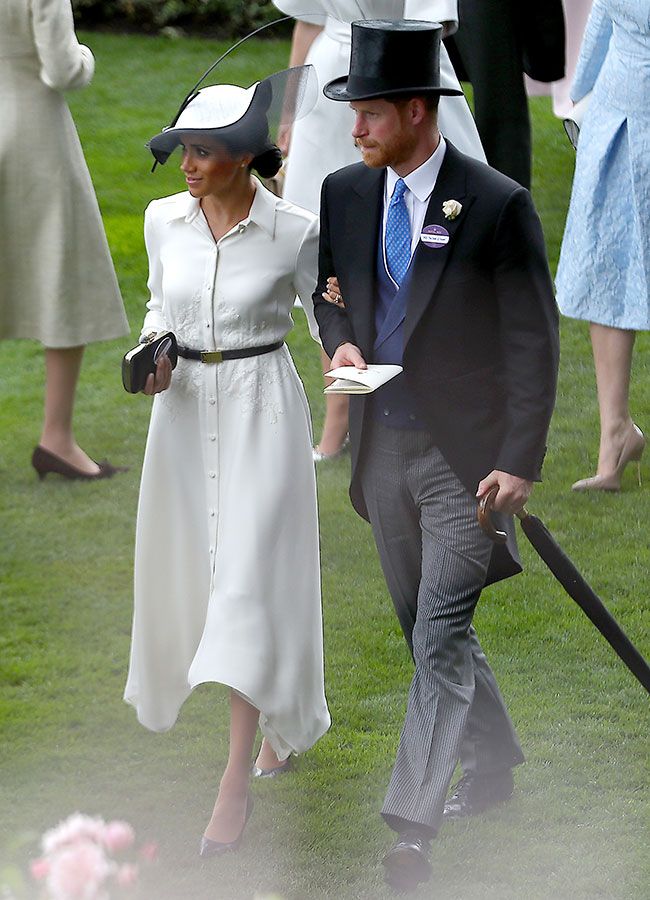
(631, 451)
(44, 462)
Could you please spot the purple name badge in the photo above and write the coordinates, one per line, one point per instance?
(434, 236)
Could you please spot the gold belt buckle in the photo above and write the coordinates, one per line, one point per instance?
(211, 356)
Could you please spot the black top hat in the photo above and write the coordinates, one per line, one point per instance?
(391, 58)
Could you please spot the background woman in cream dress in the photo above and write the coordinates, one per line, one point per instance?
(58, 285)
(321, 142)
(227, 577)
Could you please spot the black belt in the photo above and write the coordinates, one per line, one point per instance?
(217, 356)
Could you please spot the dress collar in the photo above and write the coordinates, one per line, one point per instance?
(262, 211)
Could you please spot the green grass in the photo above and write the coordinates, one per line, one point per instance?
(578, 825)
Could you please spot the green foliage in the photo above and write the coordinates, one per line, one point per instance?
(225, 18)
(577, 826)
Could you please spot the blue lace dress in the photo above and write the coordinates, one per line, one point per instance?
(604, 270)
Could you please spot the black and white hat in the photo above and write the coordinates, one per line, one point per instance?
(243, 120)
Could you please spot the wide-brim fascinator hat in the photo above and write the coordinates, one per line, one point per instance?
(391, 59)
(242, 120)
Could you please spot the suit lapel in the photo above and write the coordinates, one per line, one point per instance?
(429, 261)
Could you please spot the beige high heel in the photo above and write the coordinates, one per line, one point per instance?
(631, 451)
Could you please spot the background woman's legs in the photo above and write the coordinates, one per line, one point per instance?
(62, 367)
(612, 348)
(229, 814)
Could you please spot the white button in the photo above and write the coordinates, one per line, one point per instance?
(212, 401)
(386, 412)
(212, 514)
(412, 417)
(207, 324)
(212, 474)
(212, 437)
(211, 549)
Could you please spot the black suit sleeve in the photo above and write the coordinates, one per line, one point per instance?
(333, 324)
(528, 327)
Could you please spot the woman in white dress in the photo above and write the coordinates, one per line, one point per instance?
(58, 281)
(227, 582)
(321, 142)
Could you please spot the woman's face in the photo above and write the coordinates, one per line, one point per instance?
(209, 168)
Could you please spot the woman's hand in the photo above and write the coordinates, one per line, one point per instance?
(161, 379)
(333, 292)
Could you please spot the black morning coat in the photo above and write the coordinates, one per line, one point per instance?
(481, 343)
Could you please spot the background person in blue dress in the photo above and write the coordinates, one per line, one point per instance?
(604, 270)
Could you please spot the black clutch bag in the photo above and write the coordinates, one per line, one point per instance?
(142, 359)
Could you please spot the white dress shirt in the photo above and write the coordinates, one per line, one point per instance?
(420, 184)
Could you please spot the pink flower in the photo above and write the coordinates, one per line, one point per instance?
(149, 851)
(39, 868)
(118, 836)
(78, 872)
(75, 827)
(127, 875)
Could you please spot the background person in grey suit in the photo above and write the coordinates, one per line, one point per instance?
(442, 268)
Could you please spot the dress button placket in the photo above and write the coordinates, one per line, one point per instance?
(211, 383)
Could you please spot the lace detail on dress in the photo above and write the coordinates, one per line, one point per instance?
(253, 384)
(187, 376)
(237, 330)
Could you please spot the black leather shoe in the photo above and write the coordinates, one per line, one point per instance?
(407, 862)
(475, 793)
(218, 848)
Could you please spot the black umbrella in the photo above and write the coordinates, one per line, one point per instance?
(572, 582)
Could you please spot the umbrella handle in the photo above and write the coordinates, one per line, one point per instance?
(485, 505)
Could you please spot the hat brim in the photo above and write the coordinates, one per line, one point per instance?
(338, 90)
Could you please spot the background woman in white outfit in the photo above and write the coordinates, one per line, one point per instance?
(58, 281)
(322, 142)
(227, 581)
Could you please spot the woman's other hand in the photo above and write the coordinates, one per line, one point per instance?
(161, 379)
(333, 292)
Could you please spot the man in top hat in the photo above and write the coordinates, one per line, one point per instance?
(442, 269)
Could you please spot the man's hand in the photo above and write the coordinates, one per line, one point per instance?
(348, 355)
(513, 491)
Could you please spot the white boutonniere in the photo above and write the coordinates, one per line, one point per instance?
(451, 209)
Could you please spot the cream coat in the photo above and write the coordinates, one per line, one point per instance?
(58, 284)
(227, 585)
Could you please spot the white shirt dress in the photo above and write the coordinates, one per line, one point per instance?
(227, 578)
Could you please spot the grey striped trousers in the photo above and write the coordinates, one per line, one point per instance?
(434, 557)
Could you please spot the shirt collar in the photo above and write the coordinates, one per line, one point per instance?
(420, 181)
(262, 211)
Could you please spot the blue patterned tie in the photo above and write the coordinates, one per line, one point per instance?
(398, 234)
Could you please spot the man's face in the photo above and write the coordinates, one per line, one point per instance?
(383, 132)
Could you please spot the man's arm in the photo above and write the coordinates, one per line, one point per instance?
(333, 323)
(529, 349)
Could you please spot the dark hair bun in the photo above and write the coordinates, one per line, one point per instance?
(268, 163)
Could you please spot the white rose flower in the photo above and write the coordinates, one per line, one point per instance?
(451, 209)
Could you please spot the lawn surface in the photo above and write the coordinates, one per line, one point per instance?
(578, 824)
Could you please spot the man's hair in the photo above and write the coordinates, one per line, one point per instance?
(430, 101)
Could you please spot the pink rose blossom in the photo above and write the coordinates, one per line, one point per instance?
(149, 851)
(39, 868)
(78, 872)
(118, 836)
(75, 827)
(127, 875)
